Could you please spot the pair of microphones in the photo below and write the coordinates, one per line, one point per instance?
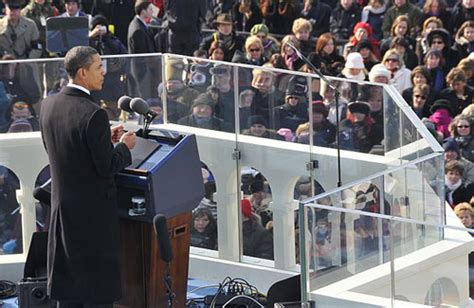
(137, 104)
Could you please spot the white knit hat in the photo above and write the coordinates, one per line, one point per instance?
(354, 60)
(378, 71)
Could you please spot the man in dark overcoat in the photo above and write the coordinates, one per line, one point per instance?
(83, 243)
(140, 39)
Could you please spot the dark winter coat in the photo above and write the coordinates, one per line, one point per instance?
(83, 243)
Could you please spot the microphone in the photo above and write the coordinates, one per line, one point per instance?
(124, 103)
(141, 107)
(164, 242)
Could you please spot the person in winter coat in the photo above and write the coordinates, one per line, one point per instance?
(318, 14)
(257, 241)
(456, 190)
(343, 19)
(462, 132)
(464, 44)
(441, 116)
(203, 229)
(373, 14)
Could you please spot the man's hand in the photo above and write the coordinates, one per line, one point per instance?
(129, 139)
(116, 133)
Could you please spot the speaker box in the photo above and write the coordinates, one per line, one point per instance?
(32, 288)
(32, 294)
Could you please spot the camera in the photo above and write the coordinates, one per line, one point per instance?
(103, 29)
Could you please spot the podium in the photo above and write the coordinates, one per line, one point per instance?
(166, 175)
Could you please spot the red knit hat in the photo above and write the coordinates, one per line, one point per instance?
(246, 208)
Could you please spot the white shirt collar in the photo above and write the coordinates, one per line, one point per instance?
(73, 85)
(143, 21)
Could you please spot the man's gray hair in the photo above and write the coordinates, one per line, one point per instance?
(78, 57)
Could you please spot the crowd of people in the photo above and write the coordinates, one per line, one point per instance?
(403, 43)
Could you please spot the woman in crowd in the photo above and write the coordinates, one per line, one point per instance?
(354, 68)
(400, 28)
(420, 75)
(332, 62)
(464, 44)
(458, 93)
(422, 39)
(438, 9)
(434, 63)
(270, 44)
(365, 48)
(441, 116)
(302, 31)
(362, 31)
(400, 75)
(418, 100)
(217, 51)
(440, 39)
(463, 134)
(253, 52)
(288, 59)
(204, 229)
(456, 190)
(401, 45)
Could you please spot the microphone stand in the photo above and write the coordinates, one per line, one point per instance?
(169, 290)
(148, 119)
(336, 96)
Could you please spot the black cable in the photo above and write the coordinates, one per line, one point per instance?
(7, 289)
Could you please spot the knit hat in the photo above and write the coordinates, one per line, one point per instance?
(203, 99)
(319, 107)
(364, 43)
(296, 86)
(378, 71)
(246, 208)
(441, 104)
(259, 28)
(256, 119)
(354, 60)
(451, 145)
(359, 107)
(174, 69)
(99, 20)
(365, 26)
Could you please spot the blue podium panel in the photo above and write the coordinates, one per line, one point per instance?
(164, 178)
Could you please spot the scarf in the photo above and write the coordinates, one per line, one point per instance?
(368, 9)
(451, 188)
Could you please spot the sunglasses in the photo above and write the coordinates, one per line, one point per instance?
(463, 126)
(437, 42)
(392, 60)
(419, 96)
(254, 50)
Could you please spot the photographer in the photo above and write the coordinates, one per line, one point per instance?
(102, 40)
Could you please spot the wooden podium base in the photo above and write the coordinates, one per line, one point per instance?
(143, 272)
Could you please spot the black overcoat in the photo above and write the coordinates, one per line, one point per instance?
(84, 232)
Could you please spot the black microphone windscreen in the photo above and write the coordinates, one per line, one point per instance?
(164, 242)
(139, 106)
(124, 103)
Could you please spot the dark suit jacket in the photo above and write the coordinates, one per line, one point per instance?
(83, 235)
(140, 40)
